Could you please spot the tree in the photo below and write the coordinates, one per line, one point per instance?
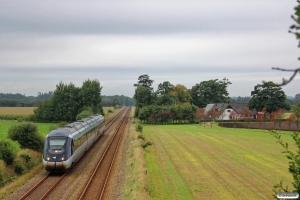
(90, 95)
(200, 114)
(246, 114)
(296, 112)
(290, 120)
(27, 135)
(163, 93)
(277, 116)
(269, 96)
(180, 94)
(212, 91)
(142, 96)
(144, 80)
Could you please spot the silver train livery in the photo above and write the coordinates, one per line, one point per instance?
(66, 145)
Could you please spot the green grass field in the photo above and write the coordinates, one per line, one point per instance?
(196, 162)
(43, 128)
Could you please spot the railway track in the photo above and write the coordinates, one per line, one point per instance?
(50, 181)
(95, 188)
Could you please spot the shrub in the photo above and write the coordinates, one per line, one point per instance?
(27, 135)
(85, 113)
(145, 144)
(8, 151)
(139, 128)
(110, 111)
(141, 137)
(19, 169)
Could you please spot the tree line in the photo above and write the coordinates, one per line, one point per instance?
(176, 103)
(20, 100)
(68, 101)
(117, 100)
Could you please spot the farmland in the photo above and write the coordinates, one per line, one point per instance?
(196, 162)
(16, 110)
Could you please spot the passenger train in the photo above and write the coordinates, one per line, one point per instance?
(66, 145)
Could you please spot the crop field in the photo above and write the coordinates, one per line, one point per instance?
(16, 110)
(196, 162)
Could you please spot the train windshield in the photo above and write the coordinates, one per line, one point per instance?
(57, 143)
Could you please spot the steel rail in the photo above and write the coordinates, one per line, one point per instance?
(110, 122)
(100, 161)
(34, 187)
(115, 153)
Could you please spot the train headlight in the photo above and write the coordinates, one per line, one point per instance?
(63, 158)
(48, 158)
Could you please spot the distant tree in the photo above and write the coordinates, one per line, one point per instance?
(246, 115)
(296, 112)
(290, 120)
(200, 114)
(144, 80)
(269, 96)
(277, 116)
(163, 93)
(212, 91)
(180, 94)
(90, 95)
(142, 96)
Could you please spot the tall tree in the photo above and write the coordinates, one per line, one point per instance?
(144, 80)
(180, 94)
(212, 91)
(163, 93)
(269, 96)
(90, 95)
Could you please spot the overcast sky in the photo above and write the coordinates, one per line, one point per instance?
(180, 41)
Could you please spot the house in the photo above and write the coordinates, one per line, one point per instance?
(230, 111)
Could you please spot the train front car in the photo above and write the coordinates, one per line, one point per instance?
(57, 151)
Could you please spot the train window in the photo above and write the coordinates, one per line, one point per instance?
(57, 143)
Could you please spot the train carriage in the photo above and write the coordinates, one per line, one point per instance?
(66, 145)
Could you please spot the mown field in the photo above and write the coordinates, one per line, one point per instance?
(196, 162)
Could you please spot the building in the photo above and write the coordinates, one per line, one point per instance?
(230, 111)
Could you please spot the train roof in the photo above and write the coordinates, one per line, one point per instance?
(77, 126)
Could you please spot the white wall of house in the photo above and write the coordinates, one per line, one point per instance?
(226, 114)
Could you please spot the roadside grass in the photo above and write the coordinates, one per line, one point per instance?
(16, 110)
(196, 162)
(135, 180)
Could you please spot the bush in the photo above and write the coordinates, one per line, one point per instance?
(27, 135)
(110, 111)
(19, 169)
(8, 151)
(145, 144)
(85, 113)
(141, 137)
(139, 128)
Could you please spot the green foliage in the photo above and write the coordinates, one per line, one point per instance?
(146, 144)
(85, 113)
(140, 136)
(180, 113)
(117, 106)
(110, 111)
(139, 128)
(294, 161)
(269, 96)
(212, 91)
(8, 151)
(27, 135)
(68, 101)
(19, 169)
(26, 157)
